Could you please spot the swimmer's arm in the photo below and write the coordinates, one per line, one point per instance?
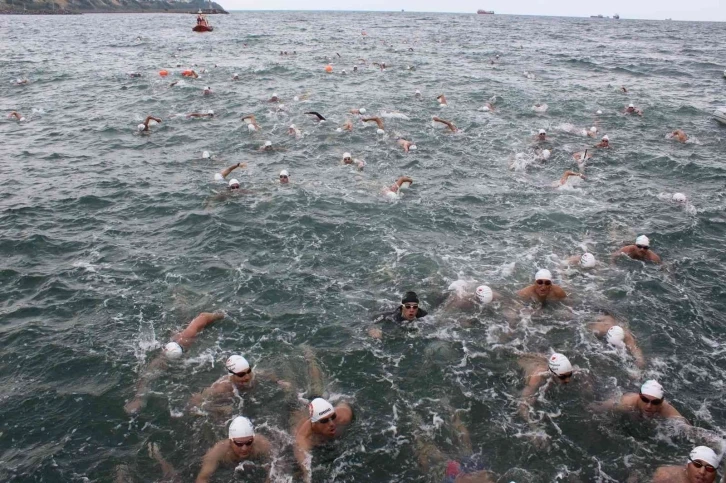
(344, 413)
(653, 257)
(669, 411)
(210, 462)
(567, 174)
(375, 332)
(151, 118)
(225, 172)
(634, 349)
(618, 253)
(528, 395)
(272, 377)
(623, 404)
(404, 179)
(216, 389)
(302, 455)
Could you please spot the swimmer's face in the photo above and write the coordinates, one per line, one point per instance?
(241, 379)
(605, 142)
(347, 160)
(649, 406)
(242, 447)
(563, 378)
(284, 179)
(542, 136)
(700, 475)
(630, 109)
(326, 426)
(409, 310)
(542, 287)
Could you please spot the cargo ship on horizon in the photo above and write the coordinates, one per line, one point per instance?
(485, 12)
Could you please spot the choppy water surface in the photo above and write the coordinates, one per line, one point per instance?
(111, 241)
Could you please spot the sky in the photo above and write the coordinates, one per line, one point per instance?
(710, 10)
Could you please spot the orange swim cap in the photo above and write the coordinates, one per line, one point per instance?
(328, 68)
(163, 73)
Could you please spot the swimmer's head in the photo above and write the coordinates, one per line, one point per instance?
(292, 126)
(560, 366)
(418, 92)
(705, 455)
(391, 195)
(274, 94)
(347, 158)
(543, 274)
(235, 76)
(141, 127)
(679, 198)
(652, 388)
(284, 176)
(412, 147)
(593, 129)
(321, 410)
(205, 155)
(616, 336)
(543, 283)
(362, 110)
(233, 184)
(268, 144)
(598, 111)
(210, 112)
(642, 241)
(484, 294)
(251, 127)
(237, 365)
(631, 106)
(542, 132)
(587, 260)
(380, 131)
(546, 153)
(606, 138)
(173, 350)
(296, 98)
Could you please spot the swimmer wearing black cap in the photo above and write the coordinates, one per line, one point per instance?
(408, 311)
(316, 114)
(180, 343)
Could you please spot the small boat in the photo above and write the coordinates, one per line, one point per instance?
(596, 16)
(720, 115)
(202, 28)
(616, 16)
(202, 23)
(485, 12)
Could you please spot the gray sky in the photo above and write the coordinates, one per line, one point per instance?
(713, 10)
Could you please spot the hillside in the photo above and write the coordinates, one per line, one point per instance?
(99, 6)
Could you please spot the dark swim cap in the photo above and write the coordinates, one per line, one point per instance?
(409, 297)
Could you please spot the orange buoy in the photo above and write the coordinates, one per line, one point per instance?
(328, 68)
(187, 73)
(163, 73)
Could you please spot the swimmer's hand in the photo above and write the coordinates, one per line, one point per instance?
(375, 332)
(134, 406)
(540, 440)
(285, 385)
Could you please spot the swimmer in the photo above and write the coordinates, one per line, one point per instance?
(649, 403)
(565, 177)
(592, 132)
(348, 159)
(284, 177)
(631, 109)
(465, 297)
(679, 135)
(617, 335)
(242, 445)
(209, 113)
(268, 147)
(16, 115)
(207, 91)
(461, 467)
(395, 187)
(417, 94)
(604, 142)
(449, 124)
(347, 125)
(294, 131)
(319, 116)
(442, 100)
(174, 83)
(539, 369)
(235, 77)
(408, 311)
(241, 377)
(134, 74)
(180, 343)
(488, 107)
(586, 260)
(358, 112)
(701, 467)
(251, 122)
(274, 98)
(623, 90)
(144, 127)
(581, 157)
(541, 136)
(406, 145)
(222, 175)
(640, 251)
(376, 119)
(21, 82)
(190, 73)
(543, 290)
(318, 424)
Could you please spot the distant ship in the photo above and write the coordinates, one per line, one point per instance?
(485, 12)
(616, 16)
(596, 16)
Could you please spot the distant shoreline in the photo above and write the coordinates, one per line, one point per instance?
(84, 12)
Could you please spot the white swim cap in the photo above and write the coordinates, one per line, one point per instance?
(284, 173)
(362, 110)
(542, 131)
(251, 127)
(559, 364)
(172, 350)
(652, 388)
(484, 294)
(616, 336)
(22, 119)
(320, 408)
(205, 154)
(630, 105)
(587, 260)
(235, 75)
(391, 194)
(543, 274)
(642, 240)
(141, 127)
(207, 88)
(546, 153)
(380, 131)
(233, 182)
(292, 126)
(598, 111)
(418, 91)
(679, 198)
(237, 364)
(296, 98)
(705, 454)
(268, 143)
(274, 94)
(343, 71)
(346, 155)
(210, 112)
(241, 427)
(593, 129)
(412, 147)
(605, 138)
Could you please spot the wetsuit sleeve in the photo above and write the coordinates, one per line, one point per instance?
(421, 313)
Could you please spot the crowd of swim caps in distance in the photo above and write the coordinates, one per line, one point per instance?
(321, 421)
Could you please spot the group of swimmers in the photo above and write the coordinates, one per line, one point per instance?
(321, 421)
